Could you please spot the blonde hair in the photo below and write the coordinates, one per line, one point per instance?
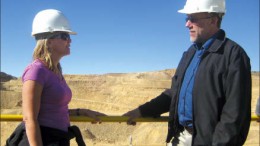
(43, 52)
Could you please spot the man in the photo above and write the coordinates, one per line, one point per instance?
(209, 102)
(257, 109)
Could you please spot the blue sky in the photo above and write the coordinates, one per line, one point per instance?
(119, 36)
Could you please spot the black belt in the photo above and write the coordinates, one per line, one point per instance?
(189, 129)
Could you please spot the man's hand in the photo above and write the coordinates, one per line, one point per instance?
(133, 114)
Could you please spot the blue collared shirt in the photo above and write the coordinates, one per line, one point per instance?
(185, 96)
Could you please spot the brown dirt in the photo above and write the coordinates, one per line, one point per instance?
(113, 94)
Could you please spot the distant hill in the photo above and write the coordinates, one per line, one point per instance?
(112, 94)
(6, 77)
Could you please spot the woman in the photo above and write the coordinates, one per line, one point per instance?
(45, 93)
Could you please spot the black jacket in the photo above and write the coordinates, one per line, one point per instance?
(50, 136)
(221, 95)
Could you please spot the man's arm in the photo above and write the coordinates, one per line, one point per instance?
(234, 123)
(153, 108)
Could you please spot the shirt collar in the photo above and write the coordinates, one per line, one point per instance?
(206, 45)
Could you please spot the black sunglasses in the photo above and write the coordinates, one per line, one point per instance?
(64, 36)
(194, 20)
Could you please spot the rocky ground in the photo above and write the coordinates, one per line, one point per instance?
(113, 94)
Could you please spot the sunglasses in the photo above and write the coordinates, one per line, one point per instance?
(63, 36)
(194, 20)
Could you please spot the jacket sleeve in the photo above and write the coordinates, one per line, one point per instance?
(233, 127)
(156, 106)
(162, 103)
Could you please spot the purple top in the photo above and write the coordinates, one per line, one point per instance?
(55, 96)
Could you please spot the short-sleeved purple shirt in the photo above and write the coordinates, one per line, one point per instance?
(55, 96)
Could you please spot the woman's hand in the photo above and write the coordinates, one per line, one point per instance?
(91, 114)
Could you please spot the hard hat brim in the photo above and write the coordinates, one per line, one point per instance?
(68, 31)
(183, 11)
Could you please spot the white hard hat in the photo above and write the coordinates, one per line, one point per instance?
(50, 20)
(198, 6)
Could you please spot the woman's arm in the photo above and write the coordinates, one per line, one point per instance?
(31, 97)
(86, 112)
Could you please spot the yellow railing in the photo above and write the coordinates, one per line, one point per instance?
(8, 117)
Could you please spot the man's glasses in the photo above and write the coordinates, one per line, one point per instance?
(64, 36)
(194, 20)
